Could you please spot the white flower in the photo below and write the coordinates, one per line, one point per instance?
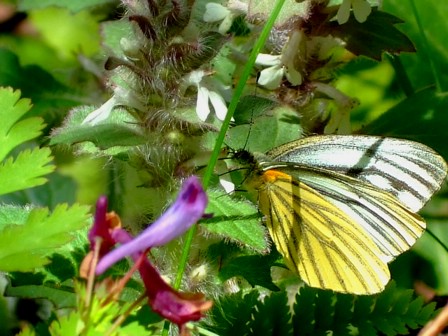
(361, 10)
(215, 12)
(120, 97)
(208, 90)
(281, 65)
(101, 113)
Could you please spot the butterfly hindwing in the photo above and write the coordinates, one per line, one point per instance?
(317, 239)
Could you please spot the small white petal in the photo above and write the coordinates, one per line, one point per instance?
(293, 76)
(271, 77)
(215, 12)
(361, 9)
(226, 24)
(344, 11)
(268, 60)
(218, 104)
(195, 77)
(101, 113)
(202, 108)
(228, 185)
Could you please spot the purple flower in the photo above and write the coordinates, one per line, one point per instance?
(186, 211)
(101, 228)
(188, 208)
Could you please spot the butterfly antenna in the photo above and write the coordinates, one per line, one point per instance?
(251, 122)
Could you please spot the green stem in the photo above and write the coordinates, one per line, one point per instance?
(426, 47)
(225, 126)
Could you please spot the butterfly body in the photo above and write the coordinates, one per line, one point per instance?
(339, 208)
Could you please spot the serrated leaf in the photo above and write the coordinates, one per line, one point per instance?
(12, 131)
(430, 14)
(39, 237)
(379, 29)
(272, 316)
(304, 310)
(236, 220)
(231, 314)
(26, 170)
(67, 325)
(426, 313)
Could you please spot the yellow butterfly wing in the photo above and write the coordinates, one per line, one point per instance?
(318, 240)
(339, 208)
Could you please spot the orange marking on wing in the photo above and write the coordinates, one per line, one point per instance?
(271, 176)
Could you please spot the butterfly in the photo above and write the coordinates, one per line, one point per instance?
(339, 208)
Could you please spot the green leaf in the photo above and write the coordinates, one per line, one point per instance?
(12, 214)
(270, 127)
(231, 314)
(380, 32)
(66, 325)
(12, 131)
(112, 33)
(73, 6)
(118, 130)
(255, 269)
(60, 296)
(26, 170)
(272, 316)
(392, 312)
(421, 117)
(47, 94)
(39, 236)
(59, 189)
(431, 14)
(236, 220)
(103, 136)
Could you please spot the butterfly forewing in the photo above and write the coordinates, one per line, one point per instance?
(409, 170)
(319, 240)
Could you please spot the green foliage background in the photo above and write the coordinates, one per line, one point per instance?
(47, 185)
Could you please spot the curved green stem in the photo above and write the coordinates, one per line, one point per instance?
(225, 126)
